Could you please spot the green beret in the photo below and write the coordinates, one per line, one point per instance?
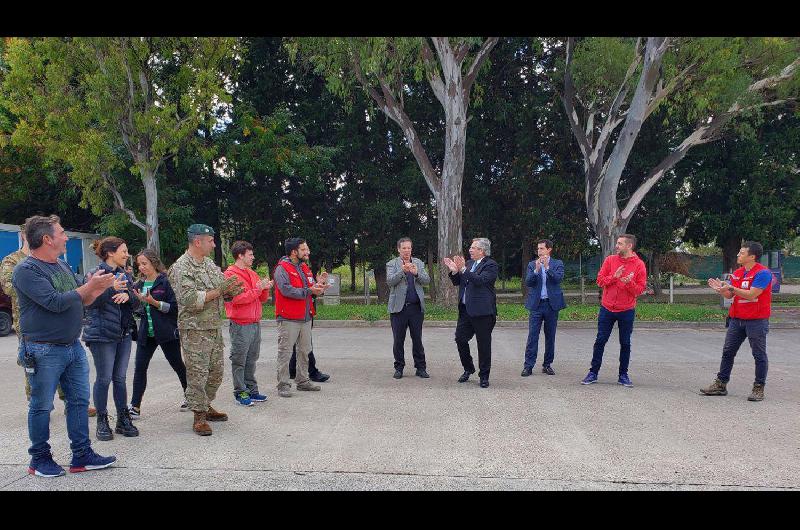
(200, 230)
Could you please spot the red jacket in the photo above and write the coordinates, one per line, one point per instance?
(757, 308)
(245, 308)
(294, 308)
(619, 296)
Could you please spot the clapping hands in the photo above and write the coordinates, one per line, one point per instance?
(717, 284)
(410, 267)
(100, 281)
(455, 264)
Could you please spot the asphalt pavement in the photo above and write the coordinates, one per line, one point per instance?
(368, 431)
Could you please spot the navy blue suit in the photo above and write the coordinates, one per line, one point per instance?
(543, 310)
(478, 316)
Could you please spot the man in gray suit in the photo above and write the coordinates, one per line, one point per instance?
(406, 276)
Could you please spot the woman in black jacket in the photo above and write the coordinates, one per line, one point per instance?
(158, 326)
(108, 334)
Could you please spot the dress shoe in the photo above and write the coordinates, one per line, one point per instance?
(465, 377)
(319, 377)
(546, 369)
(526, 372)
(484, 383)
(422, 373)
(398, 374)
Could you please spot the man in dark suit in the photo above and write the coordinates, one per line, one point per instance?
(477, 306)
(544, 301)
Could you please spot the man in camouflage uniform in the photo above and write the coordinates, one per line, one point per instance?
(200, 289)
(6, 270)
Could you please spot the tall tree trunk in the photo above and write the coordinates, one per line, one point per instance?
(730, 247)
(353, 263)
(527, 245)
(151, 209)
(452, 90)
(434, 281)
(381, 286)
(448, 200)
(655, 271)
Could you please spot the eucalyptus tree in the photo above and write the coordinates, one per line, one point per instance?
(611, 86)
(97, 103)
(383, 67)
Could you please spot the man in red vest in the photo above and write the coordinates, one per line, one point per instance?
(748, 317)
(294, 287)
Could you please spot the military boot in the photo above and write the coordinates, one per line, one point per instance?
(757, 394)
(213, 415)
(103, 432)
(125, 426)
(201, 426)
(717, 388)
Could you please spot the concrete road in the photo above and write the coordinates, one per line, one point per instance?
(367, 431)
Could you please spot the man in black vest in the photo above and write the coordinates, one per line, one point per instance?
(477, 306)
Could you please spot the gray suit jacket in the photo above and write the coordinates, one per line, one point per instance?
(398, 285)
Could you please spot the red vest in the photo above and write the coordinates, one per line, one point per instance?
(293, 308)
(750, 309)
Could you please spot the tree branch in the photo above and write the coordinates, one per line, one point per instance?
(614, 118)
(569, 107)
(702, 135)
(120, 204)
(769, 82)
(357, 70)
(480, 58)
(663, 92)
(432, 70)
(398, 115)
(461, 52)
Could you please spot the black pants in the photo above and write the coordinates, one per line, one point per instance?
(481, 328)
(410, 318)
(144, 353)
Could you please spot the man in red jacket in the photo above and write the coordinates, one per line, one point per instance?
(244, 312)
(748, 317)
(623, 277)
(294, 309)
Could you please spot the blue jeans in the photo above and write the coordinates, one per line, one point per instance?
(605, 323)
(542, 313)
(111, 364)
(756, 332)
(65, 365)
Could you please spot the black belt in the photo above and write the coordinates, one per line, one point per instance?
(53, 343)
(412, 303)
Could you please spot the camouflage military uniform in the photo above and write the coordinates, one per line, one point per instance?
(199, 327)
(6, 271)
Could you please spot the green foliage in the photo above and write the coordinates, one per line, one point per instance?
(749, 180)
(599, 67)
(113, 105)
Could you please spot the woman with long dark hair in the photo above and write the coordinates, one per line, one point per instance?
(108, 334)
(158, 326)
